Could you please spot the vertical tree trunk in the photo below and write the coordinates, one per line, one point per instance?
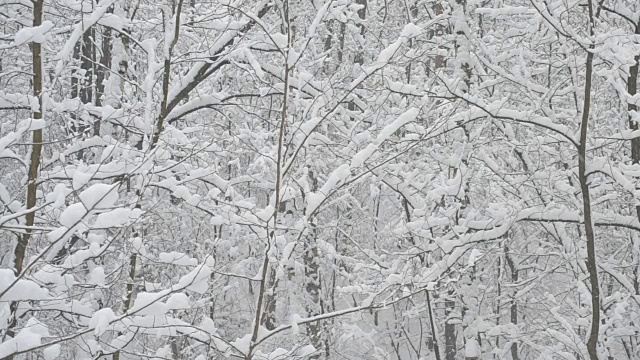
(312, 277)
(133, 259)
(362, 14)
(87, 61)
(514, 306)
(343, 28)
(328, 45)
(105, 64)
(439, 10)
(34, 164)
(267, 293)
(632, 89)
(450, 328)
(103, 70)
(412, 13)
(464, 72)
(271, 233)
(166, 78)
(86, 64)
(358, 58)
(123, 66)
(592, 342)
(328, 324)
(75, 87)
(434, 332)
(36, 150)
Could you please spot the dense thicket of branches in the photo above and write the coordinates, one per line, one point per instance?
(319, 179)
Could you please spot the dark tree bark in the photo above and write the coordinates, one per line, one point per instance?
(34, 165)
(450, 329)
(312, 278)
(514, 305)
(87, 59)
(103, 70)
(592, 267)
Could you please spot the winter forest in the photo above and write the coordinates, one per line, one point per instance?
(319, 179)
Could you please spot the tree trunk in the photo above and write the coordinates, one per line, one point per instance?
(358, 58)
(312, 277)
(592, 343)
(434, 332)
(362, 14)
(103, 70)
(514, 306)
(34, 164)
(440, 60)
(632, 89)
(263, 296)
(450, 329)
(86, 63)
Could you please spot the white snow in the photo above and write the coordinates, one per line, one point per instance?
(242, 344)
(402, 120)
(8, 100)
(28, 338)
(116, 218)
(255, 65)
(22, 289)
(472, 349)
(97, 276)
(38, 34)
(72, 215)
(266, 213)
(34, 124)
(178, 301)
(99, 196)
(314, 200)
(101, 320)
(363, 155)
(177, 258)
(149, 303)
(182, 192)
(51, 352)
(81, 256)
(411, 30)
(196, 280)
(80, 179)
(5, 198)
(113, 21)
